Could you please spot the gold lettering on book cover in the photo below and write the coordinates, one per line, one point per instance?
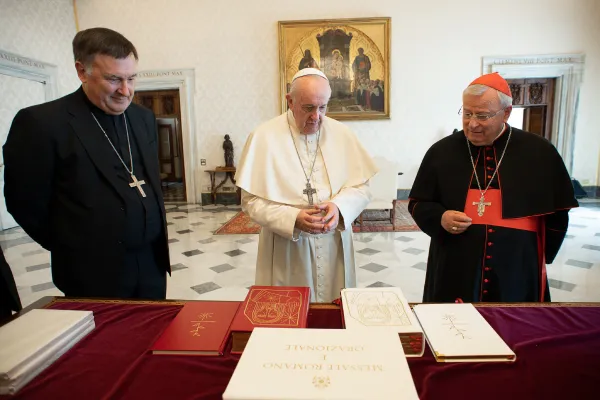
(197, 324)
(454, 325)
(274, 307)
(377, 308)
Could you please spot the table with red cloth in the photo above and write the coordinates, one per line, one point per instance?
(557, 347)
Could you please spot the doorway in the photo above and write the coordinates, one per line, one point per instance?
(167, 110)
(533, 105)
(15, 93)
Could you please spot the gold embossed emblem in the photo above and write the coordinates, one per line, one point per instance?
(274, 307)
(321, 382)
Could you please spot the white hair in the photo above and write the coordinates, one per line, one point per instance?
(478, 90)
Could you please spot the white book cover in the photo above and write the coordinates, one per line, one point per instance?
(379, 308)
(314, 364)
(372, 307)
(22, 339)
(44, 359)
(458, 332)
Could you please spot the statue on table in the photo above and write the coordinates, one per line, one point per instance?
(228, 147)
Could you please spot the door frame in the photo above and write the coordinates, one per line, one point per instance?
(184, 81)
(568, 71)
(18, 66)
(34, 70)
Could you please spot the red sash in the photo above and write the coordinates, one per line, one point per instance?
(493, 212)
(493, 216)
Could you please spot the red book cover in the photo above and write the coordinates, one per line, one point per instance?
(269, 306)
(200, 328)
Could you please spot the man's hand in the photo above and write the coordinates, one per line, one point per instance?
(455, 222)
(310, 220)
(332, 216)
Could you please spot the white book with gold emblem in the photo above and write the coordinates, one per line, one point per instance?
(458, 332)
(383, 308)
(314, 364)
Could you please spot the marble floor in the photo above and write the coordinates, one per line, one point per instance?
(207, 266)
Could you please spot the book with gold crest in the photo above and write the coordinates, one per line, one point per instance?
(383, 309)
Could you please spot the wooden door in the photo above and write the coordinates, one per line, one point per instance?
(166, 107)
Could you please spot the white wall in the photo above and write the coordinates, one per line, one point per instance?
(436, 51)
(42, 30)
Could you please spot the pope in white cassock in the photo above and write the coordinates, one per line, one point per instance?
(304, 179)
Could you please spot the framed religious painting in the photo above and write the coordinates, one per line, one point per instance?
(354, 54)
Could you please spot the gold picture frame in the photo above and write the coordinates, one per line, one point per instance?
(354, 53)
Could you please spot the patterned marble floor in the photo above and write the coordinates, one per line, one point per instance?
(206, 266)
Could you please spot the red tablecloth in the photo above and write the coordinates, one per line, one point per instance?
(558, 357)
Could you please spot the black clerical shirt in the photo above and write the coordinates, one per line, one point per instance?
(144, 222)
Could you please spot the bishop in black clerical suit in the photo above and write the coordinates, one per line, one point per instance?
(9, 297)
(494, 200)
(82, 178)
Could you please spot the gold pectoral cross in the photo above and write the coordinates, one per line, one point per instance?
(481, 204)
(137, 184)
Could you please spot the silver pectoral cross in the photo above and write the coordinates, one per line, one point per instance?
(481, 204)
(309, 191)
(137, 184)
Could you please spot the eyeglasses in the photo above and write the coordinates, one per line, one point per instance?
(478, 117)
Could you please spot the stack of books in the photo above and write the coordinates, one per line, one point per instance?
(385, 308)
(269, 307)
(32, 342)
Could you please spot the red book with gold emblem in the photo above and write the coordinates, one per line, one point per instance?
(269, 306)
(201, 328)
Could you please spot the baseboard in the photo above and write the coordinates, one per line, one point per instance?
(226, 199)
(402, 194)
(593, 192)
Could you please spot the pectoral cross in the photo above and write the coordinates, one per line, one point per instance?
(481, 204)
(137, 184)
(309, 191)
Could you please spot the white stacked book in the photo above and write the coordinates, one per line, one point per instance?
(314, 364)
(383, 309)
(32, 342)
(458, 332)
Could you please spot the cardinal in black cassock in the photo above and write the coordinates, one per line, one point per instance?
(494, 200)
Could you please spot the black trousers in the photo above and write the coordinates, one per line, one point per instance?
(139, 278)
(142, 278)
(9, 297)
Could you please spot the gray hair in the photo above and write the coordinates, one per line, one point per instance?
(296, 82)
(478, 90)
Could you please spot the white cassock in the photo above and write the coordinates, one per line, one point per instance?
(272, 181)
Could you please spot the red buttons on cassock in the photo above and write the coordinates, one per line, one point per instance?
(488, 158)
(486, 280)
(489, 177)
(488, 257)
(458, 300)
(487, 268)
(490, 243)
(491, 230)
(485, 292)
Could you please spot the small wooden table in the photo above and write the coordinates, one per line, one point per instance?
(229, 175)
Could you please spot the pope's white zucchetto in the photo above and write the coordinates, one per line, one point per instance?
(309, 71)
